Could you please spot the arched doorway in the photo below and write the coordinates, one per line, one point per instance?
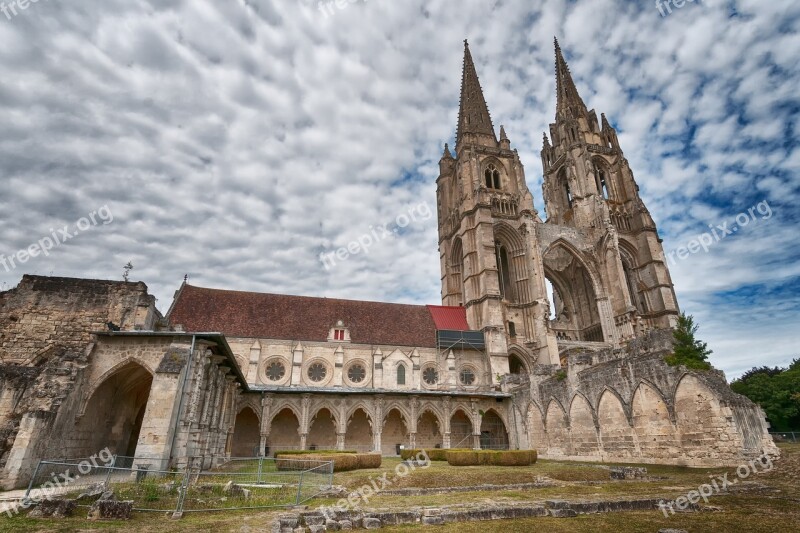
(429, 434)
(395, 433)
(322, 431)
(246, 434)
(114, 413)
(574, 311)
(359, 432)
(493, 432)
(460, 430)
(516, 365)
(284, 432)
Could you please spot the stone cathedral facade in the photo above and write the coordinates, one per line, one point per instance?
(89, 364)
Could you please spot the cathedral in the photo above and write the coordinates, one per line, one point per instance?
(551, 334)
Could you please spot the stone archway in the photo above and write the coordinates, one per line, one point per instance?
(246, 434)
(395, 433)
(461, 433)
(322, 431)
(494, 435)
(113, 415)
(429, 434)
(359, 432)
(284, 431)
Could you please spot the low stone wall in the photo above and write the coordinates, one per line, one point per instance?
(316, 521)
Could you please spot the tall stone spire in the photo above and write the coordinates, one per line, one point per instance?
(473, 114)
(567, 95)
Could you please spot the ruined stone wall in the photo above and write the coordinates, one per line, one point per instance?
(46, 327)
(628, 405)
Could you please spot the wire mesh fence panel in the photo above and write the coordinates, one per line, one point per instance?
(314, 481)
(238, 483)
(252, 483)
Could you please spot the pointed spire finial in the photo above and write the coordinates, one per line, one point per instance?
(566, 93)
(545, 140)
(185, 277)
(447, 154)
(473, 113)
(503, 136)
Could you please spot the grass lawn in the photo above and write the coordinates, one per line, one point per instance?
(768, 502)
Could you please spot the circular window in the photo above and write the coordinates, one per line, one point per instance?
(317, 372)
(356, 373)
(275, 371)
(430, 376)
(467, 376)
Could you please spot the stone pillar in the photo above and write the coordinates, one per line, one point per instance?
(297, 364)
(251, 373)
(266, 413)
(340, 441)
(377, 369)
(377, 429)
(446, 440)
(305, 404)
(158, 424)
(610, 333)
(338, 367)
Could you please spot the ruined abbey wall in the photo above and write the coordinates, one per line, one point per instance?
(628, 405)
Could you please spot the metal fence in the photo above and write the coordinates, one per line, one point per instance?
(786, 436)
(239, 483)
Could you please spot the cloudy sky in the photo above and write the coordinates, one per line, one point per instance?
(237, 140)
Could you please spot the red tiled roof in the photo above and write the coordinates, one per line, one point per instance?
(448, 317)
(303, 318)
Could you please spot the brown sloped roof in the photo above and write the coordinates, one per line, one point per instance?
(301, 318)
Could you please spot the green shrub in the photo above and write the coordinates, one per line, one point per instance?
(342, 462)
(311, 452)
(369, 460)
(469, 458)
(491, 457)
(434, 454)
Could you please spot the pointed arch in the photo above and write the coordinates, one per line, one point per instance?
(461, 429)
(118, 367)
(430, 428)
(395, 431)
(652, 421)
(583, 427)
(360, 432)
(284, 429)
(537, 436)
(556, 424)
(512, 267)
(616, 431)
(494, 431)
(576, 292)
(246, 439)
(322, 429)
(518, 360)
(113, 411)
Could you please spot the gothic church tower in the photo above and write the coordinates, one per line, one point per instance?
(589, 188)
(487, 238)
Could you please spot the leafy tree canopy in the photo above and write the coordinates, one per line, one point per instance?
(777, 391)
(688, 351)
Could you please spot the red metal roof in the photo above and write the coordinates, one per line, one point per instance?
(448, 317)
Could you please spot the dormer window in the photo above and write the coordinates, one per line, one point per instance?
(339, 332)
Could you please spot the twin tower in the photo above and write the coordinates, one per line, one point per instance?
(598, 251)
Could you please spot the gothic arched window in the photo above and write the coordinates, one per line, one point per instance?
(401, 374)
(492, 177)
(504, 273)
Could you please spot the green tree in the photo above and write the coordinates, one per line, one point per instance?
(777, 391)
(687, 350)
